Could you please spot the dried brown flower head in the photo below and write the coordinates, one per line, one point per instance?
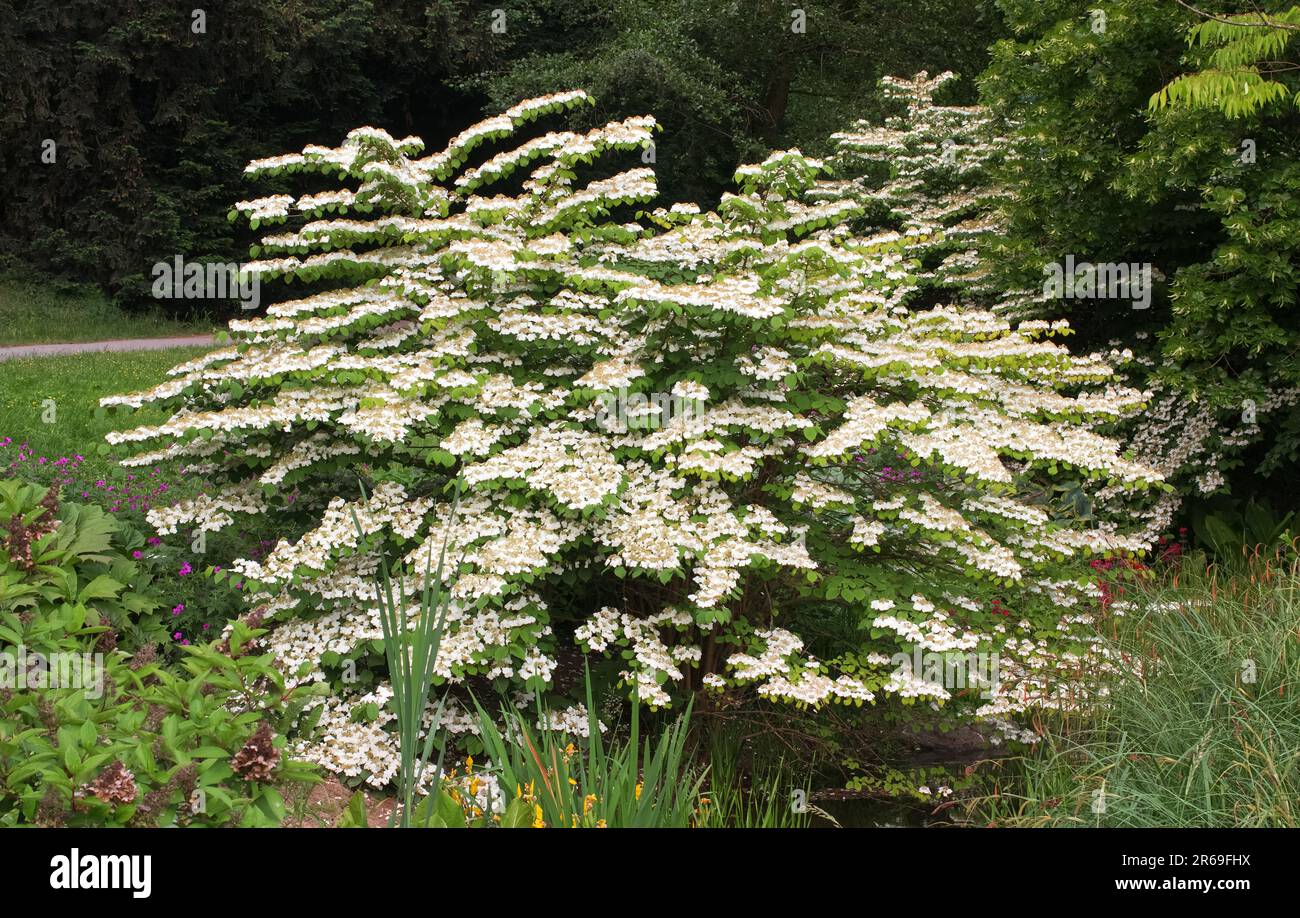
(257, 760)
(115, 784)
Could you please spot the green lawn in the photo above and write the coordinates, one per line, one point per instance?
(76, 383)
(32, 313)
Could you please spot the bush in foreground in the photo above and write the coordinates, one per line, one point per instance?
(91, 735)
(674, 431)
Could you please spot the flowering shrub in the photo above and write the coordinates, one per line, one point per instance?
(945, 187)
(677, 432)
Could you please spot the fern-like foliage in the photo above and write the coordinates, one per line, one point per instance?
(1244, 51)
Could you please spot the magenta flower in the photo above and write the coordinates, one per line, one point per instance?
(185, 569)
(137, 554)
(178, 608)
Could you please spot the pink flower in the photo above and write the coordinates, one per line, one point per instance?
(137, 554)
(185, 569)
(178, 635)
(178, 608)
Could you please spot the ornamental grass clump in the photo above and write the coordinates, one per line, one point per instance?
(1203, 731)
(683, 436)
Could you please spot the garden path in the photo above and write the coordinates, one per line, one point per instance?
(121, 344)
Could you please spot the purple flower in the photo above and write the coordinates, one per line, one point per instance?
(177, 635)
(185, 569)
(178, 608)
(137, 554)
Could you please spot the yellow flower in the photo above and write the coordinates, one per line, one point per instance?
(538, 821)
(588, 802)
(638, 791)
(600, 824)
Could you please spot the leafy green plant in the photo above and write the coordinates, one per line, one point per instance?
(146, 746)
(1234, 530)
(595, 783)
(1244, 52)
(93, 735)
(54, 554)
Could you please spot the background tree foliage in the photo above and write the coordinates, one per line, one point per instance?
(153, 121)
(1208, 198)
(731, 80)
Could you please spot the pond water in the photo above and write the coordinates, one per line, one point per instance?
(875, 813)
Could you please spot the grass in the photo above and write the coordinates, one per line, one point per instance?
(75, 384)
(34, 313)
(1204, 728)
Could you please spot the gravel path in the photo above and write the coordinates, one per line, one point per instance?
(85, 347)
